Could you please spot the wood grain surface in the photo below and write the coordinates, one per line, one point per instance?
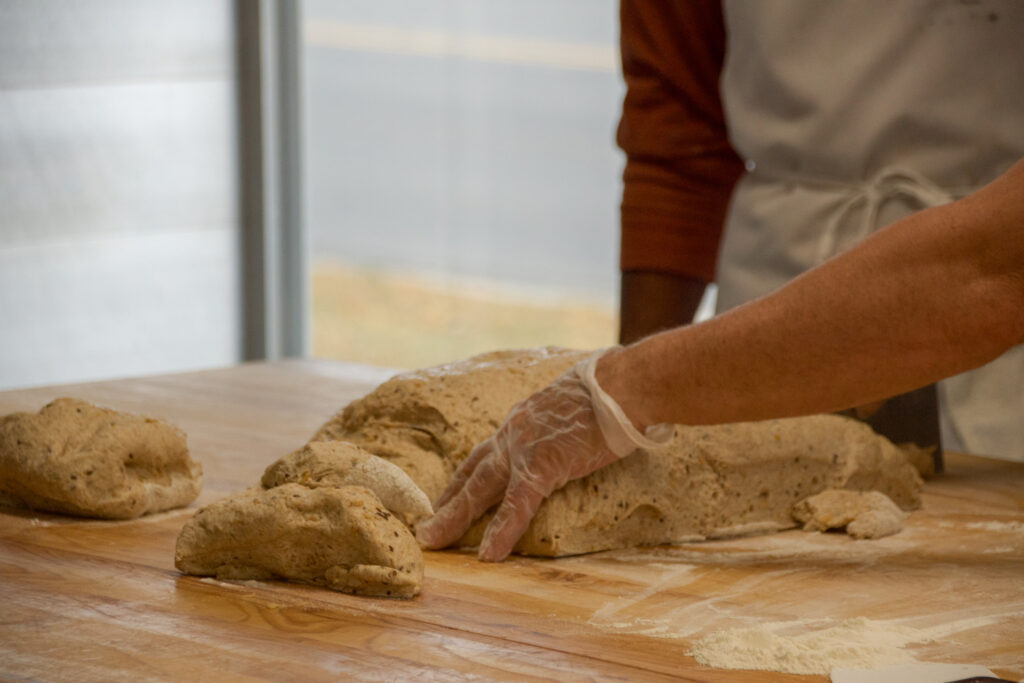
(93, 600)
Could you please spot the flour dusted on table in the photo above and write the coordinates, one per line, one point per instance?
(851, 644)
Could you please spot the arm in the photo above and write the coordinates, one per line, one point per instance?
(935, 294)
(680, 168)
(930, 296)
(651, 301)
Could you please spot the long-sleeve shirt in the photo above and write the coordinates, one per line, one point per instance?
(680, 169)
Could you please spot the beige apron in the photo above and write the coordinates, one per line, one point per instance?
(852, 114)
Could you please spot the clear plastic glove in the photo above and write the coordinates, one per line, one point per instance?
(563, 432)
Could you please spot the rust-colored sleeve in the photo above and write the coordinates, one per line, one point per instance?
(680, 169)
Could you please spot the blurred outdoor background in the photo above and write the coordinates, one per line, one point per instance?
(462, 178)
(447, 183)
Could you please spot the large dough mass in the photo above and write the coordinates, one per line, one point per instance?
(707, 482)
(426, 421)
(75, 458)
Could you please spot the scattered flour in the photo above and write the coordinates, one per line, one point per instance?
(234, 582)
(672, 576)
(782, 547)
(985, 526)
(996, 526)
(858, 643)
(725, 634)
(852, 643)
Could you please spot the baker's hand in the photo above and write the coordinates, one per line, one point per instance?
(563, 432)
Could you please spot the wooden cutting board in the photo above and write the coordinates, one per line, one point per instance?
(93, 600)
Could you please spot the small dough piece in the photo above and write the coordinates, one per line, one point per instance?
(864, 514)
(339, 537)
(337, 463)
(75, 458)
(921, 457)
(426, 421)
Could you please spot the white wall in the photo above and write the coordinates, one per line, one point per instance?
(119, 242)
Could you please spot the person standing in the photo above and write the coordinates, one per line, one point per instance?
(763, 138)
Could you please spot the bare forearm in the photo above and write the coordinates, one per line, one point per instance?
(936, 294)
(652, 301)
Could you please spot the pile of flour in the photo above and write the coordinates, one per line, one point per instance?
(850, 644)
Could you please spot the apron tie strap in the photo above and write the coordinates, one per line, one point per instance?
(889, 182)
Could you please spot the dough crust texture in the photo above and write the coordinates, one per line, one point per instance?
(707, 482)
(75, 458)
(426, 421)
(862, 514)
(337, 463)
(341, 537)
(329, 514)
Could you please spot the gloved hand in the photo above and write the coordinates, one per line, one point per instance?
(563, 432)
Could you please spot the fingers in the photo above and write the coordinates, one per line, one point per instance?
(511, 520)
(464, 472)
(483, 488)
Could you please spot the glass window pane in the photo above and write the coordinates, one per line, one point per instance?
(463, 182)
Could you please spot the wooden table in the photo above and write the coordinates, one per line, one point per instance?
(93, 600)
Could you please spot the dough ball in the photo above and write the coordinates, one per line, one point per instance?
(75, 458)
(339, 537)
